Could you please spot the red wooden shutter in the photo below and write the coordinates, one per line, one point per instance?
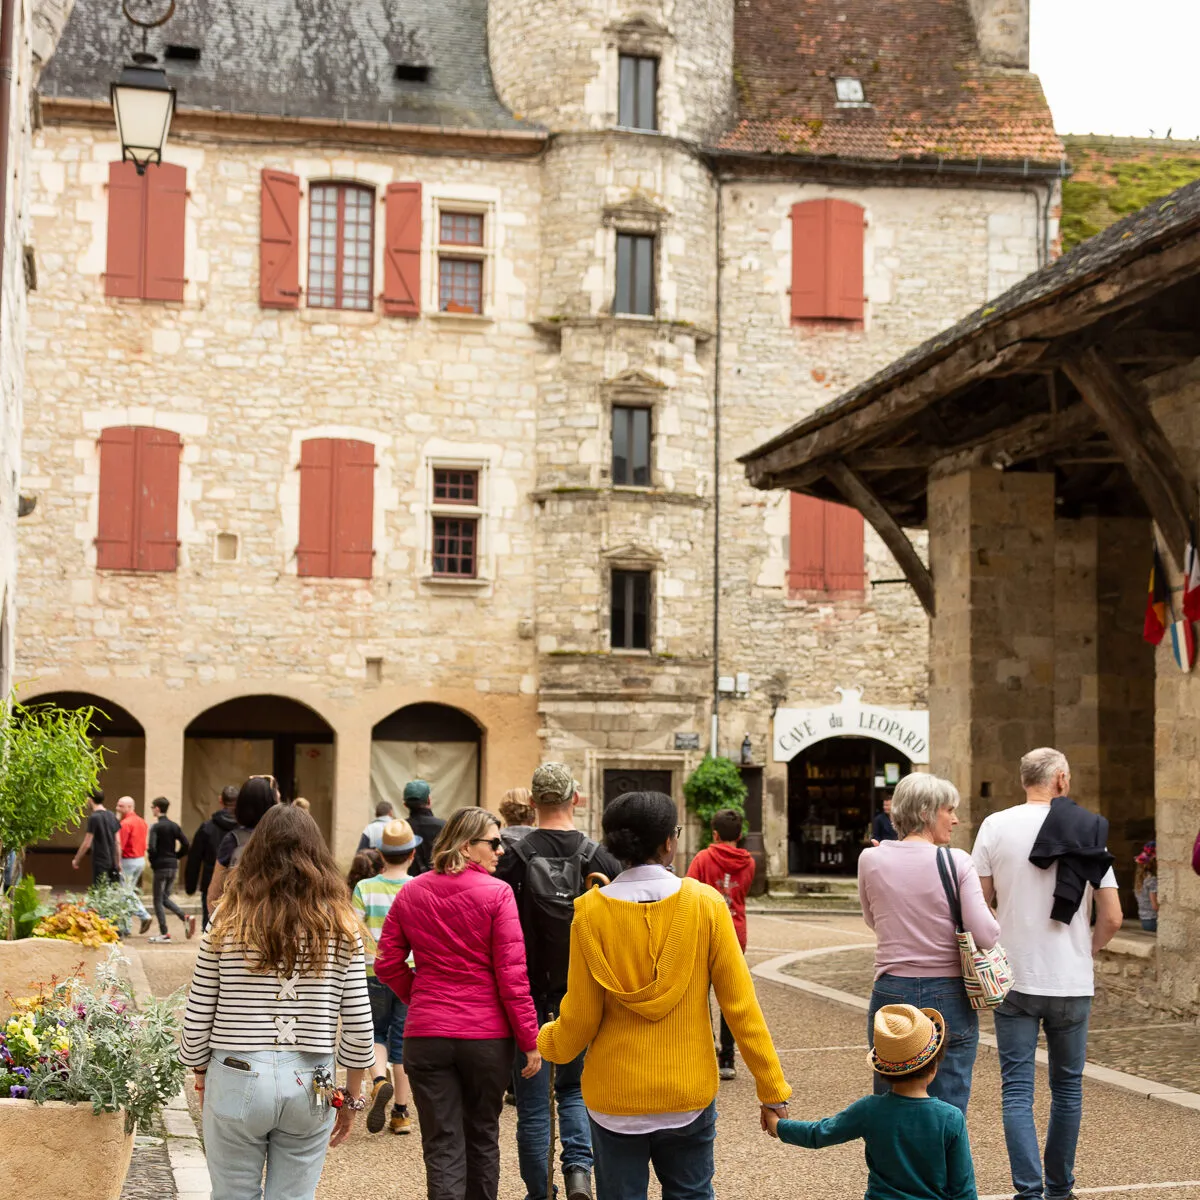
(353, 509)
(843, 548)
(279, 244)
(402, 251)
(314, 554)
(156, 512)
(806, 555)
(126, 231)
(166, 210)
(827, 260)
(844, 279)
(118, 484)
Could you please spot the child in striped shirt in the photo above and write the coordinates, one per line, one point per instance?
(373, 901)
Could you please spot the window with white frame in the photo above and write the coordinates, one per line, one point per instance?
(456, 521)
(463, 241)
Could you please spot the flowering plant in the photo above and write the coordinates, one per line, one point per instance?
(95, 1046)
(73, 923)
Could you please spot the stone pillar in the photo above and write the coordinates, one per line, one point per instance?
(351, 787)
(991, 695)
(164, 765)
(775, 818)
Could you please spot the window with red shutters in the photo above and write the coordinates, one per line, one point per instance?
(279, 241)
(825, 547)
(138, 521)
(341, 242)
(337, 508)
(146, 229)
(827, 261)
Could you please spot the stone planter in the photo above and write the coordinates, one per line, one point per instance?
(59, 1151)
(33, 961)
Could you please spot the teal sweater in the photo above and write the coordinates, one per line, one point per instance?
(916, 1149)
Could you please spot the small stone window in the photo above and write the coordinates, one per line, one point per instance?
(454, 546)
(635, 274)
(631, 610)
(455, 487)
(461, 258)
(630, 446)
(456, 522)
(227, 548)
(637, 92)
(341, 239)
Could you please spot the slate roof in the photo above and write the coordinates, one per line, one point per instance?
(299, 58)
(1140, 235)
(918, 60)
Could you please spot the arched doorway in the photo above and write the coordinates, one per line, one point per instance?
(124, 742)
(258, 735)
(835, 788)
(434, 742)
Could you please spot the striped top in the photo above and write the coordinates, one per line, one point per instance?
(229, 1007)
(373, 901)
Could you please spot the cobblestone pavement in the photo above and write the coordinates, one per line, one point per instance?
(1127, 1142)
(149, 1175)
(1123, 1034)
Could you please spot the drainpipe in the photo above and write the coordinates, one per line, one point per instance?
(8, 21)
(716, 580)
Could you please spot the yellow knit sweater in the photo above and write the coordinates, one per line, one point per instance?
(637, 999)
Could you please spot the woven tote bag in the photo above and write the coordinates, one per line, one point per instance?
(986, 974)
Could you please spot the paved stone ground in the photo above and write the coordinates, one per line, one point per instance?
(1128, 1144)
(150, 1176)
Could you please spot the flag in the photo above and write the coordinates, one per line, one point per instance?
(1183, 644)
(1191, 584)
(1154, 627)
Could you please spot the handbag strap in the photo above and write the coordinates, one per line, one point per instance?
(950, 883)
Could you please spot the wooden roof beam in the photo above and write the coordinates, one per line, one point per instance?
(1041, 433)
(1149, 457)
(861, 497)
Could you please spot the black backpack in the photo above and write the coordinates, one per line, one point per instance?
(547, 902)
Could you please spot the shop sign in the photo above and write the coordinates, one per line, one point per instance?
(687, 741)
(907, 730)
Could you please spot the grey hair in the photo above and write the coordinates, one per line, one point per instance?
(918, 799)
(1040, 766)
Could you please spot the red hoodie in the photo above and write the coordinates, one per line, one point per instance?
(729, 869)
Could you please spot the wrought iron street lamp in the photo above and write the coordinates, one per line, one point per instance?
(143, 101)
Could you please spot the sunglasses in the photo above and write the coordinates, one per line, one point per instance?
(495, 843)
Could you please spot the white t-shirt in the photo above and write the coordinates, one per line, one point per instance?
(1048, 958)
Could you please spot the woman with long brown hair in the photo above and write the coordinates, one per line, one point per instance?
(280, 965)
(468, 1001)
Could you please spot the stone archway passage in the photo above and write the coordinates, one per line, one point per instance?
(124, 742)
(258, 735)
(434, 742)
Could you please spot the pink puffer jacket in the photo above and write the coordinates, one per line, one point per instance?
(470, 980)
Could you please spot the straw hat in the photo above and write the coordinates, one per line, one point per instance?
(397, 837)
(906, 1039)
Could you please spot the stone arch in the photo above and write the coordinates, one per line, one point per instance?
(436, 742)
(259, 734)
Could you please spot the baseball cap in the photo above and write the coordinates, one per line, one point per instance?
(397, 837)
(416, 793)
(553, 783)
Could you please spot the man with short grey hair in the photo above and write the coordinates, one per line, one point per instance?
(1045, 927)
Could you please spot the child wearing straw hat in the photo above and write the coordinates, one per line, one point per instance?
(916, 1145)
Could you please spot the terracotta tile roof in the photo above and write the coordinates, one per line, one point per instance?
(929, 94)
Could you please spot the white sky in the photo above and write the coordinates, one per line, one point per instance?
(1111, 66)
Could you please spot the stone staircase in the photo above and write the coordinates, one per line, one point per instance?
(810, 893)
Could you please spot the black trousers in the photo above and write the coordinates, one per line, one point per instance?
(164, 880)
(458, 1085)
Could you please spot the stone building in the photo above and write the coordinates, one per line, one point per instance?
(1069, 459)
(392, 425)
(29, 30)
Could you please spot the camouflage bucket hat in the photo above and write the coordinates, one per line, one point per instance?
(553, 783)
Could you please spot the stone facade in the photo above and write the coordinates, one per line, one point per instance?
(527, 393)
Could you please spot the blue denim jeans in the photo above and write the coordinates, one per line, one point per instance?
(388, 1014)
(265, 1117)
(682, 1158)
(131, 873)
(533, 1114)
(1065, 1022)
(947, 994)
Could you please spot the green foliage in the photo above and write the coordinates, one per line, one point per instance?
(113, 901)
(95, 1046)
(48, 768)
(715, 784)
(25, 908)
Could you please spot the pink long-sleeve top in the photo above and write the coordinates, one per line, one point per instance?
(904, 902)
(465, 936)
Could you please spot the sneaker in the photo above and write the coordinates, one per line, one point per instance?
(579, 1183)
(190, 922)
(401, 1122)
(161, 937)
(146, 923)
(381, 1095)
(726, 1069)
